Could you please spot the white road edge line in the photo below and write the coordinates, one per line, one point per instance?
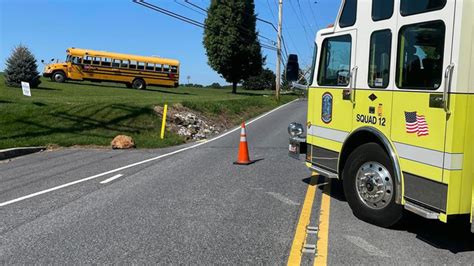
(111, 179)
(141, 162)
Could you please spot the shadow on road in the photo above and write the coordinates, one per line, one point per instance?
(454, 236)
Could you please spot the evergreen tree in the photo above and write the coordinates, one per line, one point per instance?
(231, 42)
(21, 66)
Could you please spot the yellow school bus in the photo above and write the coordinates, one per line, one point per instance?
(391, 108)
(132, 70)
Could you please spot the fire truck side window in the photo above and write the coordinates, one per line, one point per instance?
(412, 7)
(379, 59)
(420, 56)
(382, 9)
(349, 14)
(335, 61)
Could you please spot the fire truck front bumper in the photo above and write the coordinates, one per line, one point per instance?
(297, 147)
(297, 140)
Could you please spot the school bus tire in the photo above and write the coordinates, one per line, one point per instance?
(138, 84)
(58, 76)
(369, 186)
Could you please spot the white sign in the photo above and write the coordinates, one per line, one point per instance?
(25, 86)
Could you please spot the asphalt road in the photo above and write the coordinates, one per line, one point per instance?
(197, 207)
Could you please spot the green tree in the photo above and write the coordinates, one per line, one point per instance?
(264, 81)
(231, 42)
(21, 66)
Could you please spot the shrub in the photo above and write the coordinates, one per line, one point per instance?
(21, 66)
(265, 81)
(214, 85)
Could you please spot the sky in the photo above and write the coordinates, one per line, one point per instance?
(49, 27)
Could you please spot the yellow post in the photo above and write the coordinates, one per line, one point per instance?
(163, 123)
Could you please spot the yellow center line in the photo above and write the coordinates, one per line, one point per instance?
(304, 219)
(323, 233)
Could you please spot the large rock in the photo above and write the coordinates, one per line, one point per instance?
(122, 142)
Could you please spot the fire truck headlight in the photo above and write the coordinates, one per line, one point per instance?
(295, 129)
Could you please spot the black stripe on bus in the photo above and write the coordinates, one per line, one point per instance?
(128, 75)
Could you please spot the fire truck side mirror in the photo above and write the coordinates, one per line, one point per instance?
(292, 68)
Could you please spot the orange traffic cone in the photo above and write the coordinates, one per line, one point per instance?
(243, 157)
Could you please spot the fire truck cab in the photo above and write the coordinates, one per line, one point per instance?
(391, 108)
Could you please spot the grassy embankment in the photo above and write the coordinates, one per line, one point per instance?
(84, 113)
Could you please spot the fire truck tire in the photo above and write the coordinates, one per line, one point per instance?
(59, 76)
(139, 84)
(369, 186)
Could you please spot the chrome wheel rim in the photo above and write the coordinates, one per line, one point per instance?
(374, 185)
(138, 85)
(58, 77)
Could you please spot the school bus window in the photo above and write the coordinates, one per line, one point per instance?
(349, 14)
(166, 68)
(116, 63)
(379, 58)
(75, 60)
(96, 61)
(124, 64)
(335, 61)
(141, 65)
(106, 61)
(159, 68)
(150, 66)
(412, 7)
(133, 64)
(420, 56)
(382, 9)
(87, 60)
(174, 69)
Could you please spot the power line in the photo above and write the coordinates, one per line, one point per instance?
(186, 19)
(181, 4)
(240, 27)
(196, 6)
(170, 13)
(301, 23)
(271, 11)
(314, 14)
(303, 16)
(259, 19)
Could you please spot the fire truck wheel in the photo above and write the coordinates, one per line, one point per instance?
(59, 76)
(138, 84)
(369, 186)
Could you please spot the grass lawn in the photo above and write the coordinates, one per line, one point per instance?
(85, 113)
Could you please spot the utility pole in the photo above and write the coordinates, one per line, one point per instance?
(278, 74)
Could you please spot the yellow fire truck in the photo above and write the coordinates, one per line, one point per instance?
(391, 108)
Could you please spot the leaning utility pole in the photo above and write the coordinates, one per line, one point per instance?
(278, 74)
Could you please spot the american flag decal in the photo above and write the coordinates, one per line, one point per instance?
(416, 123)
